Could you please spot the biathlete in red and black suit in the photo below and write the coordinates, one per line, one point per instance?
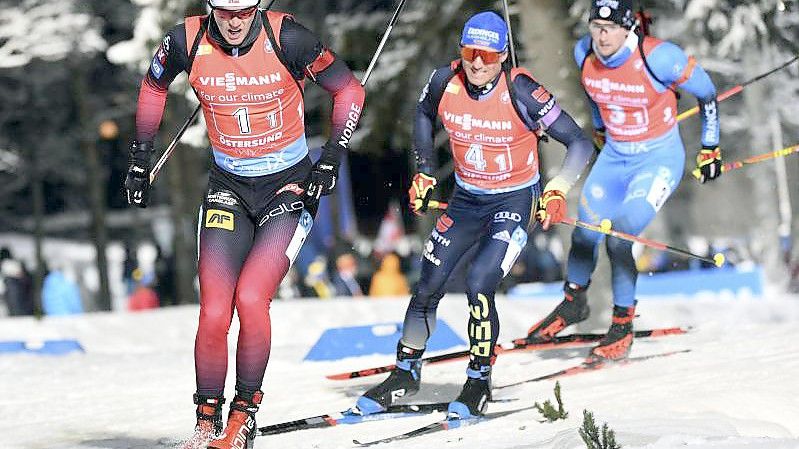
(493, 115)
(248, 68)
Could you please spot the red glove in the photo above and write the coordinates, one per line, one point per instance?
(420, 192)
(551, 208)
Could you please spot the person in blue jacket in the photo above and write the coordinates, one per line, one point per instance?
(631, 81)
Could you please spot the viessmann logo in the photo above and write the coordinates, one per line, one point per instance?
(469, 122)
(607, 86)
(230, 80)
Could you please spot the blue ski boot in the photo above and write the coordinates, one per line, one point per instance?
(474, 397)
(403, 381)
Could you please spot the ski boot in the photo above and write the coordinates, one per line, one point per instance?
(573, 309)
(474, 397)
(403, 381)
(241, 428)
(617, 342)
(209, 421)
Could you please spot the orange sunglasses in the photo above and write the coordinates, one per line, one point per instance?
(488, 57)
(242, 14)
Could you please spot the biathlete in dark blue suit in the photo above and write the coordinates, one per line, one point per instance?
(494, 115)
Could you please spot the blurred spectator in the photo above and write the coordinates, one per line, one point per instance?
(316, 278)
(129, 265)
(60, 293)
(15, 284)
(391, 230)
(793, 285)
(653, 261)
(289, 287)
(143, 296)
(165, 274)
(345, 281)
(793, 275)
(389, 280)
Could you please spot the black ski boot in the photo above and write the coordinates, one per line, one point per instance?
(403, 381)
(209, 421)
(618, 341)
(573, 309)
(475, 395)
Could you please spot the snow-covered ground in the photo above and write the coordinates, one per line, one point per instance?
(737, 388)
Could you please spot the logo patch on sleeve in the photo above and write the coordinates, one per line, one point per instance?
(215, 218)
(541, 95)
(156, 68)
(452, 88)
(204, 49)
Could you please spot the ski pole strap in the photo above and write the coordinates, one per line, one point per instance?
(754, 159)
(605, 228)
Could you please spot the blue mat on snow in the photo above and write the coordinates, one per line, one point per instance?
(48, 347)
(342, 342)
(674, 283)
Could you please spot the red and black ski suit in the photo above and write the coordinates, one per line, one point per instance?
(250, 220)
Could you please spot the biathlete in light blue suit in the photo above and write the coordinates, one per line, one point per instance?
(630, 81)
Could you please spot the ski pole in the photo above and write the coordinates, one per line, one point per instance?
(605, 227)
(736, 89)
(510, 34)
(753, 160)
(379, 50)
(171, 148)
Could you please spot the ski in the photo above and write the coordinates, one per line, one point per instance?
(558, 342)
(350, 417)
(448, 423)
(592, 366)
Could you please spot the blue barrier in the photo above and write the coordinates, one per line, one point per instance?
(11, 346)
(342, 342)
(48, 347)
(674, 283)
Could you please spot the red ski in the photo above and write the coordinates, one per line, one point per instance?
(558, 342)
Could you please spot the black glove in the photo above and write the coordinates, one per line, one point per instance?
(137, 183)
(708, 163)
(598, 139)
(324, 174)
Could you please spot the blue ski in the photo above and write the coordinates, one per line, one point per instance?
(351, 417)
(448, 423)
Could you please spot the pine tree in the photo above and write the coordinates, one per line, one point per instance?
(550, 413)
(593, 437)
